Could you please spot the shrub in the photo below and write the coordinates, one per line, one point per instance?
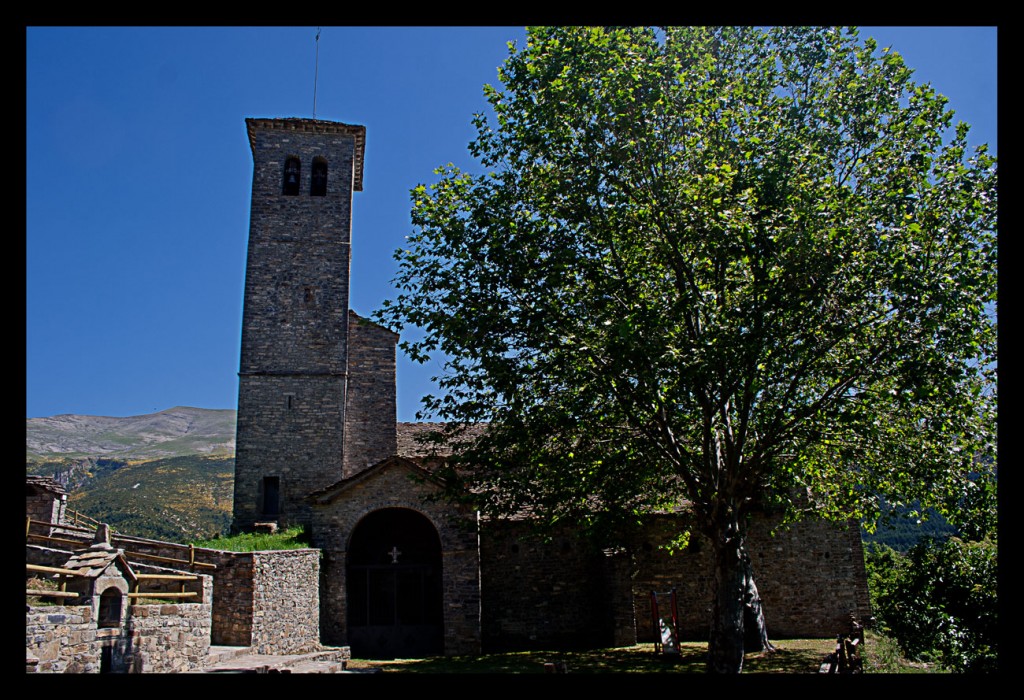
(939, 600)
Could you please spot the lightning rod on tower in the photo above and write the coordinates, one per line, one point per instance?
(316, 68)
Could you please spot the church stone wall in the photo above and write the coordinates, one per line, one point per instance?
(564, 593)
(286, 427)
(370, 409)
(541, 594)
(395, 486)
(810, 577)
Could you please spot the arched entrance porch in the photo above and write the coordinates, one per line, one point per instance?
(393, 579)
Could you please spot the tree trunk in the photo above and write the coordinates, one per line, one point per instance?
(725, 645)
(755, 633)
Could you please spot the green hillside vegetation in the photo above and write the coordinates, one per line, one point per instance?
(904, 530)
(177, 499)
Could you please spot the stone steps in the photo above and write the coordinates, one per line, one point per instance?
(242, 660)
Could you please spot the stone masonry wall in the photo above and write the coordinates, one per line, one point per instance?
(564, 593)
(291, 428)
(166, 638)
(62, 639)
(810, 577)
(540, 594)
(370, 434)
(286, 601)
(267, 599)
(233, 599)
(154, 638)
(44, 504)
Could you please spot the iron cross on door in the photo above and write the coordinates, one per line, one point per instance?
(394, 554)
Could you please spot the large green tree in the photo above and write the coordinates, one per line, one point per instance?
(729, 267)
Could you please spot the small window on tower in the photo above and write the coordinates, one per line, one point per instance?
(271, 496)
(318, 183)
(292, 175)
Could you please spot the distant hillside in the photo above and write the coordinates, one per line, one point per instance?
(903, 531)
(177, 499)
(175, 432)
(167, 475)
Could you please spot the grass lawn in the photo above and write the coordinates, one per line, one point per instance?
(791, 656)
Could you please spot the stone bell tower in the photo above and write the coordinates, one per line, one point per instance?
(293, 373)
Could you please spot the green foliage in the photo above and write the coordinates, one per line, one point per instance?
(719, 265)
(38, 583)
(290, 538)
(939, 600)
(883, 655)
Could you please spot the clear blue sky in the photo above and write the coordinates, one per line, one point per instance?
(139, 173)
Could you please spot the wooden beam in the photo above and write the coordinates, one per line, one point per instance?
(77, 543)
(49, 594)
(155, 557)
(53, 570)
(168, 577)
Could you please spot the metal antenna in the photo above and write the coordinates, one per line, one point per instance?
(316, 69)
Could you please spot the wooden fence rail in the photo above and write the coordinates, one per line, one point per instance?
(130, 554)
(67, 573)
(52, 570)
(41, 592)
(64, 574)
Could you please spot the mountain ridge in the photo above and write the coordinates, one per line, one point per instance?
(173, 432)
(166, 475)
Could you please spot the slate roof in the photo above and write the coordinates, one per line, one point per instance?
(46, 483)
(410, 437)
(92, 562)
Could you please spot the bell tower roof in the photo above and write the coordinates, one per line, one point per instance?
(318, 126)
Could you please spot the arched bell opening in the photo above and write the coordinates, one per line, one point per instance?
(292, 176)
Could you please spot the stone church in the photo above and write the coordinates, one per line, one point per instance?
(318, 444)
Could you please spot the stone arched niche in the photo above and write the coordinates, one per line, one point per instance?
(111, 605)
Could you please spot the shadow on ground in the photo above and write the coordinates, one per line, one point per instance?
(791, 656)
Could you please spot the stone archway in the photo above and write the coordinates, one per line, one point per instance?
(394, 591)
